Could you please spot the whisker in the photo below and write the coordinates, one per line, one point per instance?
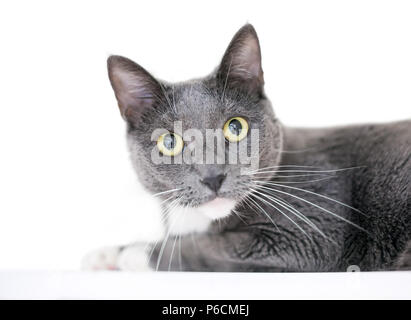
(319, 207)
(239, 216)
(294, 211)
(279, 210)
(284, 166)
(163, 245)
(299, 214)
(164, 214)
(174, 244)
(306, 181)
(314, 193)
(179, 241)
(179, 249)
(300, 175)
(305, 171)
(264, 212)
(172, 253)
(167, 191)
(169, 198)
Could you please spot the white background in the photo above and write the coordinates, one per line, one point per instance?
(66, 184)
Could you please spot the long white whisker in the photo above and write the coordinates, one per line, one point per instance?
(172, 253)
(284, 166)
(297, 213)
(305, 181)
(179, 241)
(279, 210)
(293, 210)
(303, 171)
(239, 216)
(164, 201)
(300, 175)
(167, 191)
(265, 213)
(164, 214)
(179, 249)
(319, 207)
(160, 255)
(167, 213)
(174, 244)
(313, 193)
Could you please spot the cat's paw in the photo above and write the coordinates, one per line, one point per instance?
(130, 258)
(134, 258)
(101, 259)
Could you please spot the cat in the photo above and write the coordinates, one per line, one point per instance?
(329, 199)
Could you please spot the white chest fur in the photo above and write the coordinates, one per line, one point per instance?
(194, 220)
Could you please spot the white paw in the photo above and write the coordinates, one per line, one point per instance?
(101, 259)
(131, 258)
(134, 258)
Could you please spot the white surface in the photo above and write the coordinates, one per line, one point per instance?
(115, 285)
(66, 184)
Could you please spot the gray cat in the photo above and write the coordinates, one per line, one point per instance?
(321, 199)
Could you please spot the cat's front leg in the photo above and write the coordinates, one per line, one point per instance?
(223, 252)
(227, 251)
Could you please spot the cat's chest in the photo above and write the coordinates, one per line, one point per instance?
(185, 221)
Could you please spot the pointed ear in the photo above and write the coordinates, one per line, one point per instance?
(241, 64)
(135, 89)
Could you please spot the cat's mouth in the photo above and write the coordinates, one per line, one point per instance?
(217, 208)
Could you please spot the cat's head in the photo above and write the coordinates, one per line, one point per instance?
(164, 121)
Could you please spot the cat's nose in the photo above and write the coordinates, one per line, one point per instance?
(214, 182)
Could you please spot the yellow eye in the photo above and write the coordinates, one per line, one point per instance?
(235, 129)
(170, 144)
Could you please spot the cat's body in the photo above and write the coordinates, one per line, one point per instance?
(321, 200)
(379, 186)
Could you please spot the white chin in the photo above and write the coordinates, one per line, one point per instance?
(189, 220)
(217, 208)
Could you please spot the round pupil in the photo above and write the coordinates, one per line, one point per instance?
(169, 141)
(235, 127)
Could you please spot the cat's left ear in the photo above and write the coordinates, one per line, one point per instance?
(241, 64)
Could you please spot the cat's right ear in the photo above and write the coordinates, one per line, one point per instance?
(241, 64)
(135, 89)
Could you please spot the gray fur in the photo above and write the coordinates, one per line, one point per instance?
(379, 186)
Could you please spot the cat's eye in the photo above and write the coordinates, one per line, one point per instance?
(170, 144)
(235, 129)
